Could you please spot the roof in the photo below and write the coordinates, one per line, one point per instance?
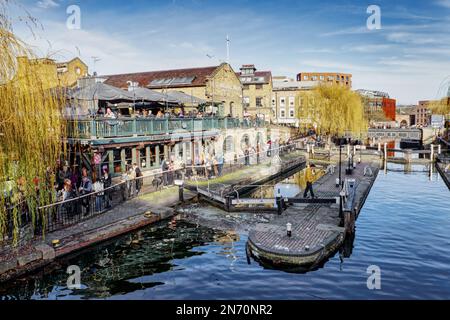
(193, 77)
(294, 85)
(62, 63)
(267, 75)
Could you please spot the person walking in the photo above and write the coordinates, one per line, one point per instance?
(309, 177)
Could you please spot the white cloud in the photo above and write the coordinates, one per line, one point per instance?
(443, 3)
(46, 4)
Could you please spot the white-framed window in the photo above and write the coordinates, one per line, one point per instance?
(282, 102)
(305, 77)
(282, 113)
(314, 78)
(322, 77)
(247, 100)
(291, 113)
(291, 101)
(274, 101)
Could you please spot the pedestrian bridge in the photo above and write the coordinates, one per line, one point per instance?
(396, 134)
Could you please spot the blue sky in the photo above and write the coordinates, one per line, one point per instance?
(409, 57)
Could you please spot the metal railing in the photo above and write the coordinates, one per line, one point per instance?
(126, 127)
(63, 214)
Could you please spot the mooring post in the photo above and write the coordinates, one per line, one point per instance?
(385, 151)
(180, 184)
(439, 149)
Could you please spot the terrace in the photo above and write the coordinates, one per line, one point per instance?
(102, 128)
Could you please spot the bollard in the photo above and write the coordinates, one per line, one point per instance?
(385, 151)
(439, 149)
(180, 184)
(289, 230)
(432, 153)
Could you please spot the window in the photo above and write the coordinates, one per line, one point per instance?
(282, 113)
(246, 100)
(305, 77)
(259, 86)
(78, 70)
(282, 102)
(291, 113)
(337, 77)
(322, 77)
(246, 86)
(314, 78)
(259, 102)
(291, 101)
(273, 102)
(330, 78)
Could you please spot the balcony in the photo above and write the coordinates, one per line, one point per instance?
(93, 129)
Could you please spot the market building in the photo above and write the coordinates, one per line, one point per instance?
(219, 86)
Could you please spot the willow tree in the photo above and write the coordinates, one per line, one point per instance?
(31, 130)
(441, 106)
(334, 110)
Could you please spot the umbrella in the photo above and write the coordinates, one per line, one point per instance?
(153, 96)
(185, 98)
(102, 91)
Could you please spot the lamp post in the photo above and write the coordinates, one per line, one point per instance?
(340, 162)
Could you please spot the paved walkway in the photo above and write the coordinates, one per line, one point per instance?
(122, 219)
(316, 231)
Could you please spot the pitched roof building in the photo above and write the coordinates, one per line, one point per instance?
(218, 85)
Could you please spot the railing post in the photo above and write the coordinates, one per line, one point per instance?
(134, 127)
(93, 129)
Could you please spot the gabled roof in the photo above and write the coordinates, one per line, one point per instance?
(178, 78)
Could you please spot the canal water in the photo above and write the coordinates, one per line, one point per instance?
(403, 229)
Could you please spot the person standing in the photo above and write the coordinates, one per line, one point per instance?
(139, 175)
(85, 190)
(309, 177)
(107, 183)
(131, 182)
(220, 161)
(98, 188)
(165, 169)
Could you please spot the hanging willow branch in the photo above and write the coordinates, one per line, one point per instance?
(31, 130)
(334, 109)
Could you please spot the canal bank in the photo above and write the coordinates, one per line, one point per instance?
(443, 167)
(403, 231)
(127, 217)
(317, 229)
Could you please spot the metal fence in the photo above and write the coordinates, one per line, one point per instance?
(67, 213)
(125, 127)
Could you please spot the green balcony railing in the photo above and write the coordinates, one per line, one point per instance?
(131, 127)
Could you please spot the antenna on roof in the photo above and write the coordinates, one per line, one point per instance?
(95, 60)
(228, 49)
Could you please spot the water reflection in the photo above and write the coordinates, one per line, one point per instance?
(121, 266)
